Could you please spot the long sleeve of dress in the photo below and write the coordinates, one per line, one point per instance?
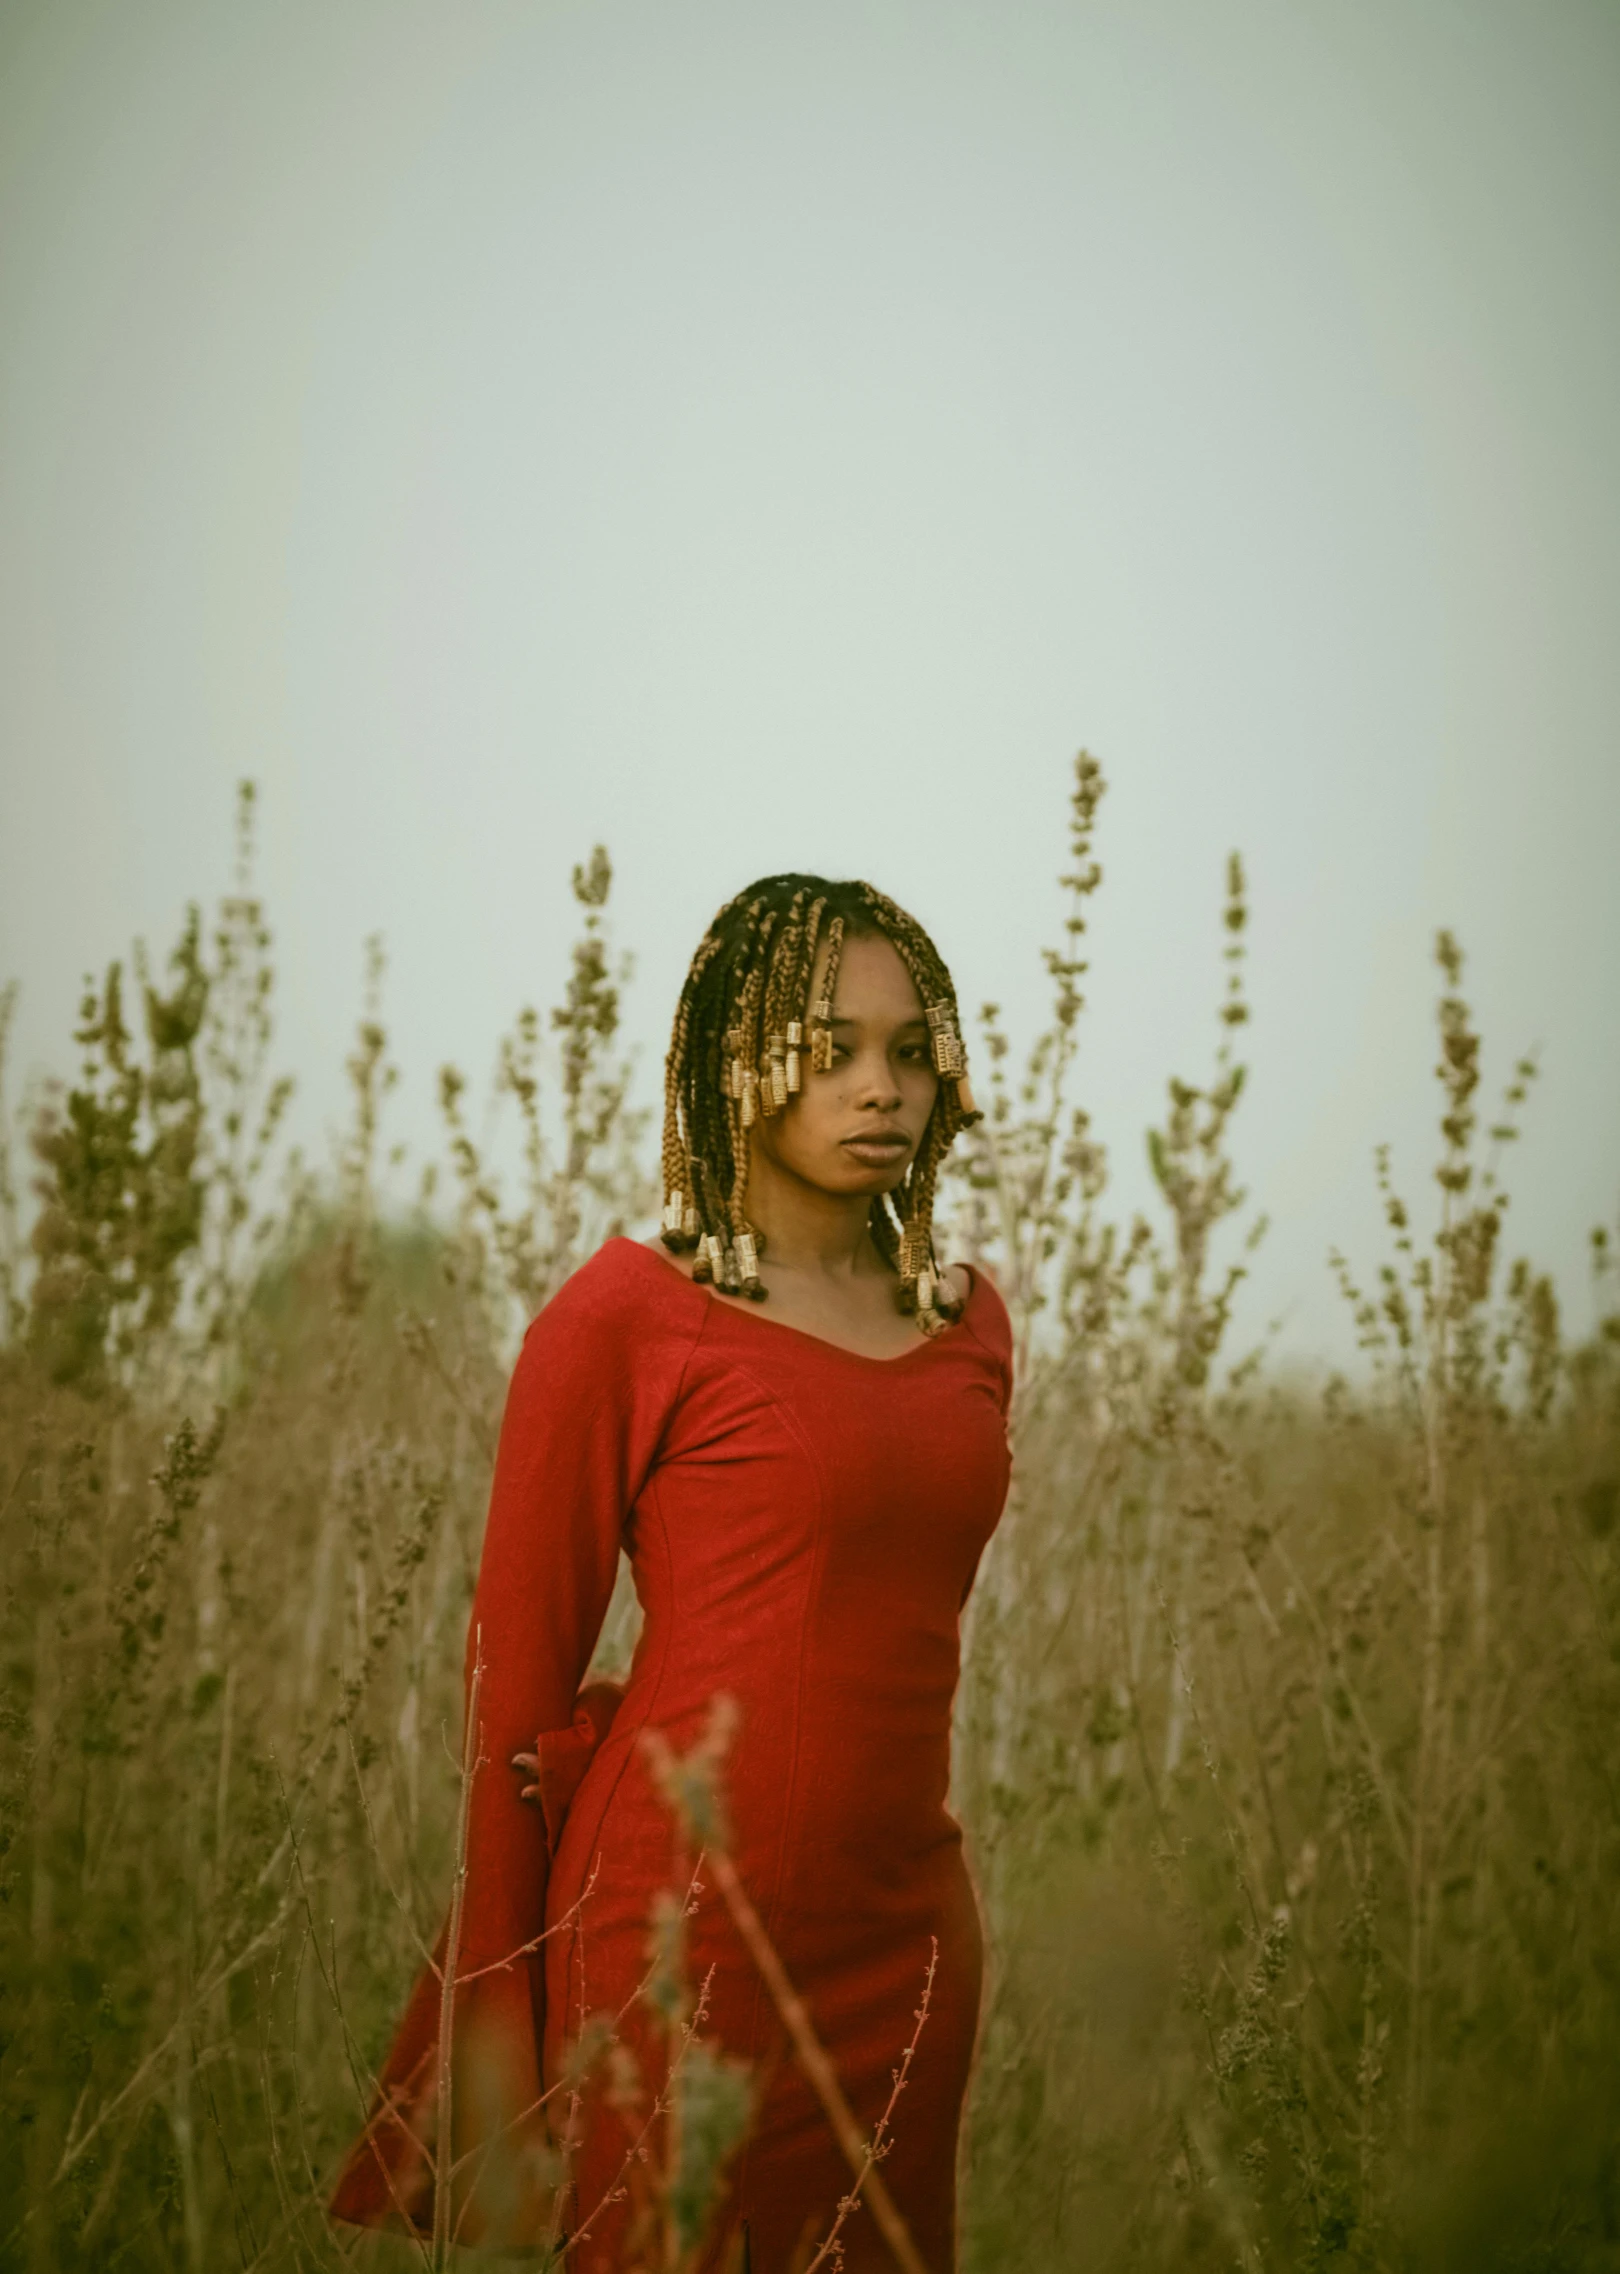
(598, 1373)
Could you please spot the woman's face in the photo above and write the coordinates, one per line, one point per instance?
(855, 1128)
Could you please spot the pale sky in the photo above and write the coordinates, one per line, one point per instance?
(761, 436)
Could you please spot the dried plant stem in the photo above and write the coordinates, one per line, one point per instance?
(1422, 1812)
(78, 2145)
(443, 2150)
(664, 2103)
(875, 2147)
(814, 2061)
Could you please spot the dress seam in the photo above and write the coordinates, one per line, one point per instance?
(771, 1913)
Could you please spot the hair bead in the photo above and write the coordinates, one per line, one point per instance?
(915, 1247)
(949, 1060)
(821, 1041)
(747, 1254)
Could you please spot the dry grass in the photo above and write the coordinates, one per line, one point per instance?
(1286, 1737)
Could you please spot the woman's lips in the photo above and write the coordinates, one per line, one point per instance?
(883, 1149)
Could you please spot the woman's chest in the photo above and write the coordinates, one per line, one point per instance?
(862, 1465)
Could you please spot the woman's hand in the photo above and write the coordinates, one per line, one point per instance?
(561, 1756)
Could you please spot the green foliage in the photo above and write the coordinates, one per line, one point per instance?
(713, 2103)
(121, 1197)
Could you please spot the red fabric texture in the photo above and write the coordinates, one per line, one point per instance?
(803, 1524)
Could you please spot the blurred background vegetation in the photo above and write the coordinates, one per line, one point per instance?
(1286, 1738)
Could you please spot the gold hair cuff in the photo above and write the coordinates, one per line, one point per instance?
(914, 1250)
(949, 1057)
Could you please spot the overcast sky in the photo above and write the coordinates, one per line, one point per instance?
(764, 436)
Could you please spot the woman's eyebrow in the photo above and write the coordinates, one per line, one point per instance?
(900, 1029)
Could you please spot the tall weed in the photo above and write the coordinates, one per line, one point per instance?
(1285, 1737)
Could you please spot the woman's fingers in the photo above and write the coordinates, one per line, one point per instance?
(529, 1763)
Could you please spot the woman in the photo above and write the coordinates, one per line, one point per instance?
(804, 1493)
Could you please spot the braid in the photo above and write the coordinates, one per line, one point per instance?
(784, 987)
(915, 1196)
(680, 1213)
(736, 1052)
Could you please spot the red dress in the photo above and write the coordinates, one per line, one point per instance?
(804, 1524)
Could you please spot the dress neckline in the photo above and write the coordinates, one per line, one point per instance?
(741, 1305)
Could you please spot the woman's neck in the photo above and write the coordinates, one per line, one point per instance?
(822, 1234)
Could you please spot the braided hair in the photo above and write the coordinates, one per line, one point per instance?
(736, 1052)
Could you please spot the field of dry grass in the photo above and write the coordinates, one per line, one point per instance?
(1286, 1739)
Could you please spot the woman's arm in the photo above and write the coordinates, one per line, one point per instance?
(599, 1370)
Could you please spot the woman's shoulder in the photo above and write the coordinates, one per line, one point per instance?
(986, 1312)
(622, 1292)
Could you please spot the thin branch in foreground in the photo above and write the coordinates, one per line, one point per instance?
(443, 2146)
(690, 1785)
(879, 2143)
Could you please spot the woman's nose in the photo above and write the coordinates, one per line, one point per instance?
(877, 1086)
